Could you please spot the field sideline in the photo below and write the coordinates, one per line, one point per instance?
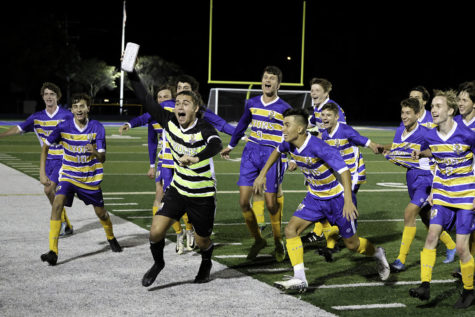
(348, 286)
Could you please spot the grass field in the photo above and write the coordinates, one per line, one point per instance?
(338, 286)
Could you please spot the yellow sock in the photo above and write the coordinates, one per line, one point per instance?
(54, 228)
(330, 233)
(366, 247)
(276, 222)
(427, 264)
(318, 229)
(251, 223)
(258, 208)
(154, 210)
(280, 200)
(177, 227)
(295, 250)
(188, 225)
(107, 225)
(447, 240)
(64, 218)
(408, 236)
(467, 273)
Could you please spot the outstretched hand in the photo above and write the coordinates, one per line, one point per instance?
(225, 153)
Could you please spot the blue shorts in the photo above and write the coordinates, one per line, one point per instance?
(164, 175)
(419, 183)
(254, 157)
(52, 168)
(447, 217)
(89, 197)
(313, 209)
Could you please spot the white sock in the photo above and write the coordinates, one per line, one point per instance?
(299, 272)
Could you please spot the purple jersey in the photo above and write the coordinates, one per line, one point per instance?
(315, 119)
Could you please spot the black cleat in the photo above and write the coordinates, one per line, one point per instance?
(152, 274)
(457, 273)
(255, 248)
(422, 292)
(51, 257)
(466, 299)
(203, 272)
(115, 246)
(326, 253)
(312, 238)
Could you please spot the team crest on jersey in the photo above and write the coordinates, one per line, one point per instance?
(300, 207)
(458, 148)
(192, 139)
(308, 160)
(271, 115)
(433, 213)
(337, 143)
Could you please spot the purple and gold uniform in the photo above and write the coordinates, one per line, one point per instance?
(42, 123)
(266, 134)
(315, 119)
(453, 187)
(318, 162)
(418, 172)
(471, 124)
(80, 172)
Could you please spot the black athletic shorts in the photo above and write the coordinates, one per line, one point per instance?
(200, 210)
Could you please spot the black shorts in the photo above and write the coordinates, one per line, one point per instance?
(200, 210)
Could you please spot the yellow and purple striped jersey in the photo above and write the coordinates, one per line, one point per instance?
(42, 123)
(403, 146)
(266, 122)
(79, 167)
(346, 140)
(318, 162)
(469, 124)
(427, 120)
(315, 119)
(454, 180)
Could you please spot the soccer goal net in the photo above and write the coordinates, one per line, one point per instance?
(229, 103)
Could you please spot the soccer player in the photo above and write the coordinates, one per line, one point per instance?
(408, 137)
(193, 143)
(346, 140)
(423, 115)
(329, 196)
(466, 104)
(84, 145)
(320, 89)
(264, 113)
(453, 193)
(43, 123)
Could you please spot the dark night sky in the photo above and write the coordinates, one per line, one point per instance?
(372, 54)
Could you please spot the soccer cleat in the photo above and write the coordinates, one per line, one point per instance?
(180, 247)
(457, 273)
(397, 266)
(311, 238)
(326, 253)
(279, 251)
(115, 246)
(422, 292)
(51, 257)
(449, 256)
(383, 266)
(292, 284)
(65, 231)
(190, 240)
(466, 299)
(255, 248)
(204, 271)
(152, 274)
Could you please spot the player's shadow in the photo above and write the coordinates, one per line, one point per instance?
(441, 297)
(85, 255)
(95, 224)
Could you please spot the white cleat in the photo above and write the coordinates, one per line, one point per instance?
(190, 240)
(383, 265)
(292, 284)
(180, 246)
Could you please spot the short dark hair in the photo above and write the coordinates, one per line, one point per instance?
(412, 103)
(332, 107)
(170, 87)
(423, 90)
(184, 78)
(469, 88)
(51, 86)
(194, 96)
(274, 70)
(300, 113)
(81, 96)
(325, 83)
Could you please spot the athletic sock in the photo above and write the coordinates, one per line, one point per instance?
(280, 200)
(154, 210)
(188, 225)
(447, 240)
(177, 227)
(467, 273)
(275, 221)
(295, 250)
(251, 223)
(157, 251)
(107, 225)
(299, 272)
(427, 264)
(64, 218)
(55, 227)
(408, 235)
(330, 233)
(365, 247)
(258, 208)
(206, 254)
(318, 229)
